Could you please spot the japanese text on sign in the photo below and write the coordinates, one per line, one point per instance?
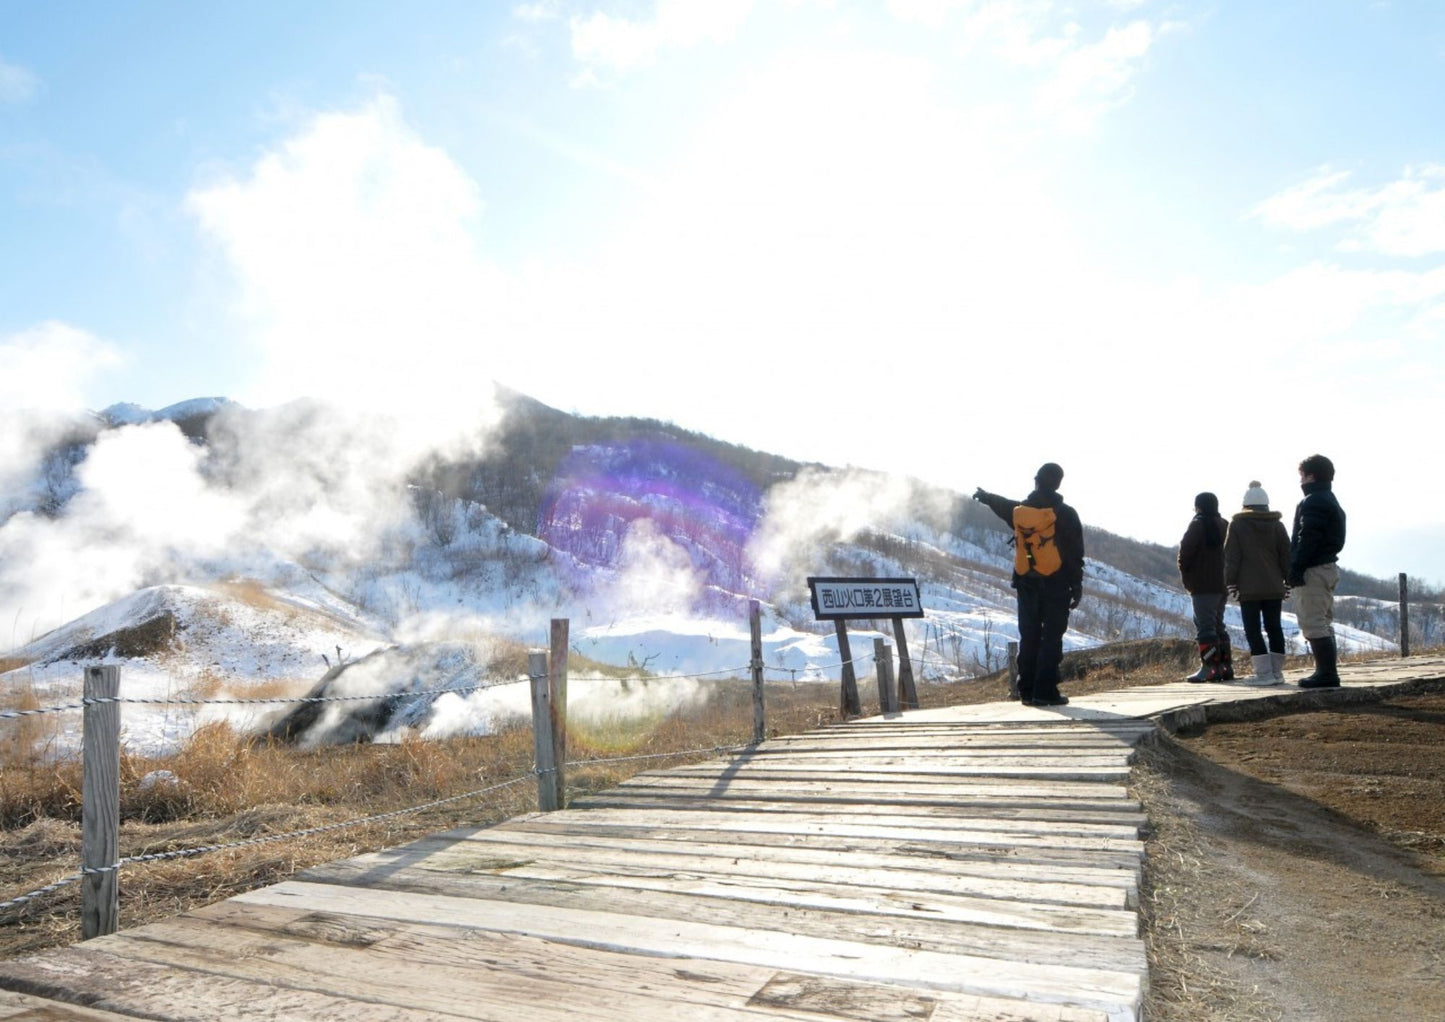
(835, 598)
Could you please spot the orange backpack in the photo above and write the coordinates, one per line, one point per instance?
(1035, 552)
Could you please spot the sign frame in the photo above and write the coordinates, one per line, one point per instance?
(838, 598)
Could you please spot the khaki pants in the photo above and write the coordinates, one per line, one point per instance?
(1314, 602)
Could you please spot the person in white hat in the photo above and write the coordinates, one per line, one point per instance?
(1256, 563)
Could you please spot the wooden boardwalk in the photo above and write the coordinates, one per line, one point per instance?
(975, 862)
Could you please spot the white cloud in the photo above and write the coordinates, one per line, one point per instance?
(51, 367)
(360, 278)
(1091, 79)
(17, 85)
(48, 374)
(1405, 217)
(623, 44)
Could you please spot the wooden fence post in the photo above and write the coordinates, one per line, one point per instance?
(883, 669)
(755, 626)
(1013, 670)
(100, 803)
(1404, 617)
(907, 690)
(848, 703)
(557, 684)
(542, 731)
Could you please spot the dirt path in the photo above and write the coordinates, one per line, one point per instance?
(1297, 867)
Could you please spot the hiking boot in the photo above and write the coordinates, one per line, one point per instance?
(1208, 664)
(1326, 673)
(1226, 661)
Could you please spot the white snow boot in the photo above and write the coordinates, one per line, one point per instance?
(1277, 660)
(1263, 670)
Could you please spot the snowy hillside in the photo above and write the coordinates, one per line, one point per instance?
(215, 552)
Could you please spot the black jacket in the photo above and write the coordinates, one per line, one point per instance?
(1068, 530)
(1319, 531)
(1201, 554)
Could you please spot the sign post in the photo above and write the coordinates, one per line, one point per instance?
(841, 599)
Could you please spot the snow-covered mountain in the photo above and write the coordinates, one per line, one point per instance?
(224, 553)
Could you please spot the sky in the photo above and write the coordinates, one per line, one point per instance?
(1172, 246)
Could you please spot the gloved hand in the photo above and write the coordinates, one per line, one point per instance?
(1233, 593)
(1294, 582)
(1075, 595)
(978, 494)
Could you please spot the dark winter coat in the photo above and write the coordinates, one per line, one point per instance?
(1201, 555)
(1319, 531)
(1256, 555)
(1068, 531)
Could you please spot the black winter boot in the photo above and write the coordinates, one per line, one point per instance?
(1208, 664)
(1327, 670)
(1226, 660)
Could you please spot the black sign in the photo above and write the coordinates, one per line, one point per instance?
(841, 598)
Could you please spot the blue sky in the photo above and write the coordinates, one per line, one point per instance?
(1174, 246)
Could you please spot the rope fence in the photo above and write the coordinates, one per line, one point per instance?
(417, 694)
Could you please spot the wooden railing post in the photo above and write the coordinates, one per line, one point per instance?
(1404, 616)
(907, 689)
(557, 684)
(883, 668)
(755, 626)
(100, 803)
(543, 748)
(848, 703)
(1013, 670)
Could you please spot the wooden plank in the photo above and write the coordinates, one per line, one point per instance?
(507, 975)
(108, 982)
(1118, 810)
(885, 893)
(813, 856)
(26, 1008)
(1077, 792)
(758, 842)
(724, 862)
(661, 908)
(1038, 772)
(959, 831)
(1053, 980)
(1055, 822)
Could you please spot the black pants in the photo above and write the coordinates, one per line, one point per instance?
(1252, 611)
(1043, 619)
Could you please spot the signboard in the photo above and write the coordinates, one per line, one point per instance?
(838, 599)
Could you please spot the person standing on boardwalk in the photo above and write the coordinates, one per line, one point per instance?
(1201, 569)
(1048, 576)
(1315, 543)
(1256, 564)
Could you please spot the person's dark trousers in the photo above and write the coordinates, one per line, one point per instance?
(1043, 619)
(1265, 613)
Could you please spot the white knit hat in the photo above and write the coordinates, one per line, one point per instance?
(1255, 494)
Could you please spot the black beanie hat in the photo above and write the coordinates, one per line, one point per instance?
(1208, 503)
(1049, 476)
